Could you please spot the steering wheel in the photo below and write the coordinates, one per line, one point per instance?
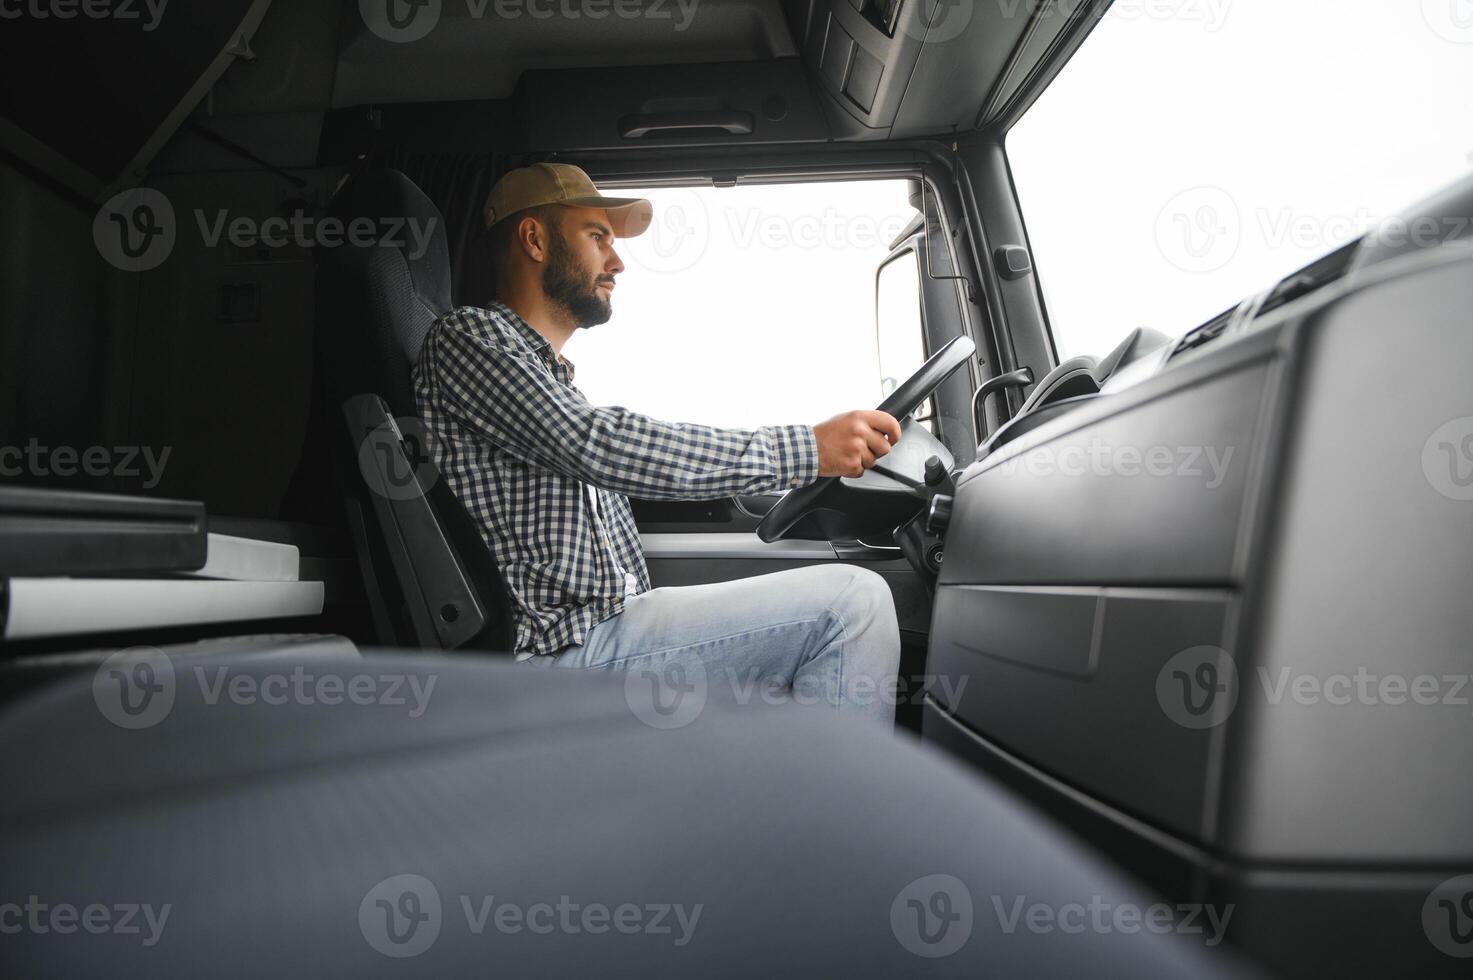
(797, 504)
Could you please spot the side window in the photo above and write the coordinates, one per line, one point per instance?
(755, 305)
(899, 336)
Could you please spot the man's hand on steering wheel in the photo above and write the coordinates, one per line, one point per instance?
(849, 444)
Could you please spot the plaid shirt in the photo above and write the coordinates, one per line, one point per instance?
(545, 473)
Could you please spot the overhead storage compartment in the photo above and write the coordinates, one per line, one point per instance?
(668, 105)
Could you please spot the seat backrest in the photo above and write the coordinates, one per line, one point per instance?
(381, 299)
(378, 294)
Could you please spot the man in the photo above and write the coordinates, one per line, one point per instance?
(545, 474)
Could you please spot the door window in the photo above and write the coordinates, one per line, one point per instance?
(749, 305)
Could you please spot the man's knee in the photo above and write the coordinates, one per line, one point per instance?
(863, 597)
(872, 587)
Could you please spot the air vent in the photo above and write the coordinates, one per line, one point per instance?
(1310, 278)
(1206, 333)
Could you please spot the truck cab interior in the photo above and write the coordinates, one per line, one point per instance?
(1182, 605)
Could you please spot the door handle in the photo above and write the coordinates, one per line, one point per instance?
(1020, 378)
(856, 550)
(755, 504)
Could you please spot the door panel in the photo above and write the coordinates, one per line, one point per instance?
(693, 516)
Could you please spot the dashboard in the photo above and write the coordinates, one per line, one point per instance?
(1144, 561)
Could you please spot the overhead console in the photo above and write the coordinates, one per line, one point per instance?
(856, 57)
(905, 68)
(664, 105)
(837, 70)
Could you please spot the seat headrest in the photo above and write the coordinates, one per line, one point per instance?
(380, 291)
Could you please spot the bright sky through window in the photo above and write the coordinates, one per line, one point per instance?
(747, 305)
(1192, 154)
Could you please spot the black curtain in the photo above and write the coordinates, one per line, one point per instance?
(458, 184)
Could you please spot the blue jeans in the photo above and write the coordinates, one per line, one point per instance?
(823, 634)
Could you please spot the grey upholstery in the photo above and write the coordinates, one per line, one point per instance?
(382, 300)
(375, 305)
(266, 827)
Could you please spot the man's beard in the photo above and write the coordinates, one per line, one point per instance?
(565, 286)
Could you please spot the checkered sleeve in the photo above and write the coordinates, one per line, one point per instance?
(510, 398)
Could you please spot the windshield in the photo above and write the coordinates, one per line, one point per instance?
(1192, 154)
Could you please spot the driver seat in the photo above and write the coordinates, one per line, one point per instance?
(430, 579)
